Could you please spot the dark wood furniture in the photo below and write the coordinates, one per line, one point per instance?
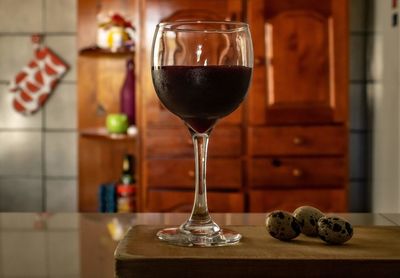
(297, 119)
(286, 146)
(166, 150)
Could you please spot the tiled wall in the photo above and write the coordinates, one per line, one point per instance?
(38, 154)
(358, 200)
(383, 90)
(41, 245)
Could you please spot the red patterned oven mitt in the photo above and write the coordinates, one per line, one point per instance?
(33, 85)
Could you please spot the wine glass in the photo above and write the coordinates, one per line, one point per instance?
(201, 72)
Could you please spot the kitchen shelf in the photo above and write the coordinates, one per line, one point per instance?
(95, 51)
(102, 134)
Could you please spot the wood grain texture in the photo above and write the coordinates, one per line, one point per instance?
(300, 73)
(298, 140)
(180, 201)
(177, 142)
(222, 173)
(298, 172)
(326, 200)
(372, 252)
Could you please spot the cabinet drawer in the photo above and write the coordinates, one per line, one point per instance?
(316, 140)
(179, 173)
(177, 201)
(327, 200)
(167, 142)
(298, 172)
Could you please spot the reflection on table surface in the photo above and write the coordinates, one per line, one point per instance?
(82, 245)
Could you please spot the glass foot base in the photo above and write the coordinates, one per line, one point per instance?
(177, 236)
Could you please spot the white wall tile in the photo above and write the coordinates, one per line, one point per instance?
(15, 53)
(61, 195)
(10, 118)
(61, 109)
(357, 15)
(357, 57)
(63, 221)
(61, 15)
(24, 221)
(65, 47)
(358, 156)
(358, 196)
(23, 253)
(358, 106)
(378, 11)
(21, 194)
(61, 154)
(63, 253)
(374, 57)
(21, 153)
(21, 16)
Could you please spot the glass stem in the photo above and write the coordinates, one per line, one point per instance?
(200, 214)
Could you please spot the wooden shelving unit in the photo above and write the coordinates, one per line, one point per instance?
(100, 77)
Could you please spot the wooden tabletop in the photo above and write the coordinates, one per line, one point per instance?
(373, 251)
(43, 241)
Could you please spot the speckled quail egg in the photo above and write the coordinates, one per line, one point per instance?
(282, 225)
(308, 219)
(334, 230)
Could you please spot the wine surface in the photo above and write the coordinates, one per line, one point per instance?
(200, 95)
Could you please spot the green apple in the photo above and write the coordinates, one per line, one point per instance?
(117, 123)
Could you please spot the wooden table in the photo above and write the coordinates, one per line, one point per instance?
(83, 245)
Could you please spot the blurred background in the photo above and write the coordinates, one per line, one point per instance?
(57, 159)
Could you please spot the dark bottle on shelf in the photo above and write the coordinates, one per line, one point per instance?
(126, 188)
(127, 94)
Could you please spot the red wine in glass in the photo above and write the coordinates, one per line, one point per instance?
(200, 95)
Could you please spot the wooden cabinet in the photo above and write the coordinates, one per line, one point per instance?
(286, 145)
(301, 62)
(167, 150)
(297, 129)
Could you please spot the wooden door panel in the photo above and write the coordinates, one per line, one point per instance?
(300, 62)
(298, 56)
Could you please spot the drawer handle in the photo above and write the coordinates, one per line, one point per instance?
(297, 173)
(191, 173)
(298, 141)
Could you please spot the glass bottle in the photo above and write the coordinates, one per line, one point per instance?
(127, 94)
(126, 189)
